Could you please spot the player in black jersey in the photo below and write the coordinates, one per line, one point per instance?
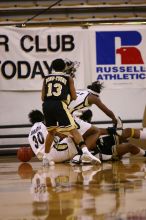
(57, 92)
(113, 146)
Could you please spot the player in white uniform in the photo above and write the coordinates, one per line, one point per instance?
(62, 151)
(86, 98)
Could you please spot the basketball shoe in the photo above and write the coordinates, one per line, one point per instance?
(89, 158)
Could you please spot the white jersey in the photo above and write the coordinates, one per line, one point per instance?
(60, 152)
(80, 102)
(37, 137)
(82, 126)
(63, 151)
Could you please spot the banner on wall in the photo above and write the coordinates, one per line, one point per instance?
(119, 56)
(26, 55)
(115, 55)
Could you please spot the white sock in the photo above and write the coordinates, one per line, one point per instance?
(141, 152)
(85, 149)
(143, 134)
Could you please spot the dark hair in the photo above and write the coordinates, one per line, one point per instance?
(70, 69)
(96, 86)
(58, 65)
(35, 116)
(87, 116)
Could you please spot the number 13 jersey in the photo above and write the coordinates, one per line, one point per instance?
(57, 87)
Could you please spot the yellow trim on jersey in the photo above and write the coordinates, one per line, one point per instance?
(72, 122)
(51, 128)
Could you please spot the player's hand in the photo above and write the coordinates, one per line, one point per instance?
(119, 126)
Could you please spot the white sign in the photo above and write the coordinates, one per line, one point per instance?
(115, 55)
(119, 58)
(26, 55)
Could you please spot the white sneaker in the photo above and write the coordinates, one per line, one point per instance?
(76, 159)
(87, 157)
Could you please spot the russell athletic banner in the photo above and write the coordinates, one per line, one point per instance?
(115, 55)
(120, 56)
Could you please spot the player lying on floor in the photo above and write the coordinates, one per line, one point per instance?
(61, 150)
(115, 145)
(65, 149)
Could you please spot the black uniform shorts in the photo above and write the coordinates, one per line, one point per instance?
(57, 115)
(105, 144)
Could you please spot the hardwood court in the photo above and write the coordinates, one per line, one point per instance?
(113, 191)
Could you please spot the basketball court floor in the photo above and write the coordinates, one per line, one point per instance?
(112, 191)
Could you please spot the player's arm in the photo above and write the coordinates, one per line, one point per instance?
(92, 99)
(43, 91)
(72, 89)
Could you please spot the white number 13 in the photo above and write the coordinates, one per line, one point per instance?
(58, 89)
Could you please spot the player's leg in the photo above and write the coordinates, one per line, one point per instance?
(50, 111)
(124, 148)
(69, 125)
(95, 130)
(134, 133)
(91, 140)
(47, 159)
(87, 156)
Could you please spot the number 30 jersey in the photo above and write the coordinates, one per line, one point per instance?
(37, 137)
(59, 151)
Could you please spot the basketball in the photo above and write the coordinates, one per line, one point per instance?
(24, 154)
(31, 151)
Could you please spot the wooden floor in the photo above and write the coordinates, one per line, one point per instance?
(113, 191)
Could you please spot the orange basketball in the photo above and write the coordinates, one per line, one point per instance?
(24, 154)
(31, 152)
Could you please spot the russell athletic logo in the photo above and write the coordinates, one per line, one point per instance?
(118, 52)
